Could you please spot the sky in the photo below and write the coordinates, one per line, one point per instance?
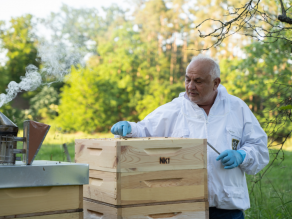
(42, 8)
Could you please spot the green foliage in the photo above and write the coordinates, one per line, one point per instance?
(288, 107)
(19, 43)
(15, 115)
(44, 105)
(137, 64)
(126, 84)
(156, 95)
(263, 80)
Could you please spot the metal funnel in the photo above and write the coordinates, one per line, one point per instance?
(34, 134)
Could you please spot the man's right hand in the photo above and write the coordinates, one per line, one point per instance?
(121, 128)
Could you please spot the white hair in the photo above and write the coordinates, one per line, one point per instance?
(215, 69)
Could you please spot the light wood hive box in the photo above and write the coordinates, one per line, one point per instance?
(197, 210)
(144, 170)
(51, 202)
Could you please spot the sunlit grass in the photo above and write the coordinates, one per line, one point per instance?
(286, 147)
(272, 196)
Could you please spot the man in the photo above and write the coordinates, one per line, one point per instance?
(206, 110)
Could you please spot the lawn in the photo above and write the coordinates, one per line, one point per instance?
(270, 198)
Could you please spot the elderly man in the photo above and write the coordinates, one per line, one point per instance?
(206, 110)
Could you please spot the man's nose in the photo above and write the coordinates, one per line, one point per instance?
(192, 85)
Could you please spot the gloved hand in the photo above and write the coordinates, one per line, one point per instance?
(121, 128)
(231, 158)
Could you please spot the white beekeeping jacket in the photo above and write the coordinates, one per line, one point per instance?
(230, 122)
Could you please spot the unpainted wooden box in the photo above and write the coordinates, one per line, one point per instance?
(142, 154)
(76, 215)
(42, 202)
(147, 187)
(193, 210)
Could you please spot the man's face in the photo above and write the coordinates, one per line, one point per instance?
(200, 87)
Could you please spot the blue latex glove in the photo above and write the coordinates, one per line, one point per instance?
(231, 158)
(121, 128)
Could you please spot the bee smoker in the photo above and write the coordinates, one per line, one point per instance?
(34, 134)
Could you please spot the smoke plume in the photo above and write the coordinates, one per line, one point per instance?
(56, 61)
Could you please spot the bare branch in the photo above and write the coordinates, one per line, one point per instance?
(283, 8)
(248, 21)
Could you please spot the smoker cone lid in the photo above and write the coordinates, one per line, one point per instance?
(5, 121)
(7, 126)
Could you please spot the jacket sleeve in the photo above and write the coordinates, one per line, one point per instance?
(159, 123)
(254, 144)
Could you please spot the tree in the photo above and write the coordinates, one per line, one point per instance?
(254, 19)
(19, 42)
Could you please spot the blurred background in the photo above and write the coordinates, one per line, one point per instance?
(136, 53)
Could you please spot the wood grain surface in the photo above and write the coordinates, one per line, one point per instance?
(76, 215)
(19, 201)
(142, 154)
(147, 187)
(198, 210)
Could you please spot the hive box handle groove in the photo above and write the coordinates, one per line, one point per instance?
(95, 181)
(154, 183)
(94, 151)
(161, 151)
(165, 215)
(94, 214)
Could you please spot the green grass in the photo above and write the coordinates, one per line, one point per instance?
(270, 198)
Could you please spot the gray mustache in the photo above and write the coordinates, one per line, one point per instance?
(192, 92)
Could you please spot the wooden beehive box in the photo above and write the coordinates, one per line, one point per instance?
(197, 210)
(50, 202)
(144, 170)
(142, 154)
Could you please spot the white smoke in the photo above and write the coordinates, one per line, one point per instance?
(56, 61)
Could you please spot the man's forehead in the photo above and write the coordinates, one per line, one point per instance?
(194, 75)
(199, 67)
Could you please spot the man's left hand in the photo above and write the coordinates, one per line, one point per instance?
(231, 158)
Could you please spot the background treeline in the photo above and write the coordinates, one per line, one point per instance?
(135, 62)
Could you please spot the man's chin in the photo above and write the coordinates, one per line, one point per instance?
(193, 99)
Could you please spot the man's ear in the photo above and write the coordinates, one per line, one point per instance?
(216, 81)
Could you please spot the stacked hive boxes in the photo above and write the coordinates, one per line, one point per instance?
(142, 178)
